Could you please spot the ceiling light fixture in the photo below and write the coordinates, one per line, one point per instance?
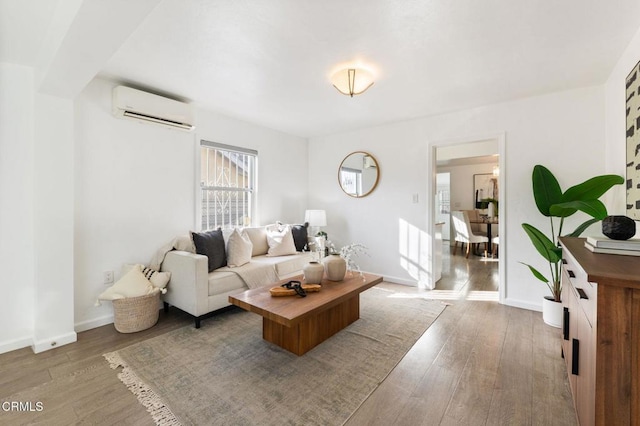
(352, 81)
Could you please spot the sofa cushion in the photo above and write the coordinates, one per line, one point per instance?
(239, 249)
(286, 265)
(223, 281)
(300, 236)
(280, 241)
(258, 237)
(211, 244)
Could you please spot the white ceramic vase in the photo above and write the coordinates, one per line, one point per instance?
(491, 210)
(335, 267)
(552, 312)
(313, 272)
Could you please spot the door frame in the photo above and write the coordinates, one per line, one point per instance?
(500, 138)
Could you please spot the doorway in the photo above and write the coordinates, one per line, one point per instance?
(443, 203)
(461, 160)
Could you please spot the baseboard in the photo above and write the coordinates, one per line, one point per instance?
(54, 342)
(98, 322)
(516, 303)
(13, 345)
(93, 323)
(396, 280)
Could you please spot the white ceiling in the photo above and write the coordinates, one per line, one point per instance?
(268, 62)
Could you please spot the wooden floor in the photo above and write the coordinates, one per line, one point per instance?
(480, 363)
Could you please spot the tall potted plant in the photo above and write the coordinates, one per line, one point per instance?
(558, 205)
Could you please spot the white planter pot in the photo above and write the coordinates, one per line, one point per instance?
(313, 272)
(552, 312)
(335, 267)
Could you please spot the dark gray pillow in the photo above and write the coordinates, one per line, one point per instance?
(211, 244)
(300, 237)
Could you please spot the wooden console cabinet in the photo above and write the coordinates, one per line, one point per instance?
(601, 334)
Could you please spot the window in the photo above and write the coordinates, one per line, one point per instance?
(351, 180)
(227, 185)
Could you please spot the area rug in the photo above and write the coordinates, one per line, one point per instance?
(226, 374)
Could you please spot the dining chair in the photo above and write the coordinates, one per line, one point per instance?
(464, 234)
(495, 241)
(476, 228)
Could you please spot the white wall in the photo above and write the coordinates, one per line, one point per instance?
(36, 214)
(564, 131)
(17, 261)
(53, 222)
(135, 187)
(282, 164)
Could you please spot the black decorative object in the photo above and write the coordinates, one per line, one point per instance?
(618, 227)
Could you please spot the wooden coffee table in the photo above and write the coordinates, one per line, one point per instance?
(298, 324)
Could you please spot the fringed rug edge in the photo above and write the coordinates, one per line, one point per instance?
(161, 414)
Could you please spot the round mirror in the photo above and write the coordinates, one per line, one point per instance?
(358, 174)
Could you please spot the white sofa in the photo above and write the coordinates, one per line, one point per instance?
(198, 292)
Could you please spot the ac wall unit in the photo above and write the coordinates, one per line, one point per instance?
(149, 108)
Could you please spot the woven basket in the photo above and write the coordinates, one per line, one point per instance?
(136, 313)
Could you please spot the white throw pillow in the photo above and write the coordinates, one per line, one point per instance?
(281, 242)
(239, 249)
(132, 284)
(258, 237)
(158, 279)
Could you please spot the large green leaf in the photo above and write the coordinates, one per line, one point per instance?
(580, 229)
(542, 278)
(546, 189)
(562, 210)
(543, 244)
(594, 208)
(592, 189)
(536, 273)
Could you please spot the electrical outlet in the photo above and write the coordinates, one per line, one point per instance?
(107, 277)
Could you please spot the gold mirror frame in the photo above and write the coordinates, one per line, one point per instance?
(358, 174)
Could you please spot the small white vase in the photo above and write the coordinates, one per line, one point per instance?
(335, 267)
(552, 312)
(313, 272)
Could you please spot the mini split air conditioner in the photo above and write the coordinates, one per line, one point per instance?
(149, 108)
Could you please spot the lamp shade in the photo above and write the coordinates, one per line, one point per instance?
(352, 81)
(316, 217)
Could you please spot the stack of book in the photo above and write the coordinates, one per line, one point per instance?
(606, 245)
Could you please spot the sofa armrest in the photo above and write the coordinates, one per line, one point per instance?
(188, 289)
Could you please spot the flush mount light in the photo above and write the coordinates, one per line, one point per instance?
(352, 81)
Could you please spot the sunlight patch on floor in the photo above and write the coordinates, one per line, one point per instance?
(478, 296)
(483, 296)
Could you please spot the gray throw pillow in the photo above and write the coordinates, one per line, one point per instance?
(211, 244)
(300, 236)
